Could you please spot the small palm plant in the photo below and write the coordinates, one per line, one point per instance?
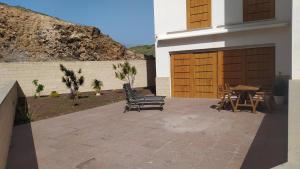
(72, 81)
(97, 86)
(126, 72)
(38, 88)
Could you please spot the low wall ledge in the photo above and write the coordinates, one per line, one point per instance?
(5, 89)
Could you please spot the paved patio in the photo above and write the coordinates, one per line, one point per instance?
(186, 135)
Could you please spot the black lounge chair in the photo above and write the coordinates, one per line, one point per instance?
(134, 100)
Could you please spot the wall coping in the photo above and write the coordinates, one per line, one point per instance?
(5, 89)
(72, 62)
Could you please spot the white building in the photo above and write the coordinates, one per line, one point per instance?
(212, 42)
(201, 44)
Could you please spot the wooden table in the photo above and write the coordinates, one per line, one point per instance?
(244, 95)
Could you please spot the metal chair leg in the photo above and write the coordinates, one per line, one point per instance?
(221, 106)
(126, 109)
(129, 107)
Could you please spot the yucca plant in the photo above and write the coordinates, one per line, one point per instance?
(38, 88)
(126, 72)
(72, 81)
(97, 86)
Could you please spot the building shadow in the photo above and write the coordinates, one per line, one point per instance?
(22, 153)
(270, 145)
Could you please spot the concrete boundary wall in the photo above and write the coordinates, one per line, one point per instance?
(49, 74)
(9, 95)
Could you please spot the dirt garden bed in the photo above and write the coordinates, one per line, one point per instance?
(47, 107)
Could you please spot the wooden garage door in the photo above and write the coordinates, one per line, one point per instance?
(197, 75)
(205, 75)
(255, 66)
(194, 75)
(231, 67)
(260, 67)
(182, 77)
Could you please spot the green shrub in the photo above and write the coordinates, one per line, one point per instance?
(126, 72)
(22, 115)
(97, 86)
(54, 94)
(147, 50)
(38, 88)
(72, 81)
(23, 118)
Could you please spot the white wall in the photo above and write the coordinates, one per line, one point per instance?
(280, 37)
(49, 74)
(9, 95)
(294, 94)
(170, 15)
(226, 12)
(296, 41)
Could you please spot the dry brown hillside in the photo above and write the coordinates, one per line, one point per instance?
(30, 36)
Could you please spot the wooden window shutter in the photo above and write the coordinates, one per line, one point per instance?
(198, 14)
(255, 10)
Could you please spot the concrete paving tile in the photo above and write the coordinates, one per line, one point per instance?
(188, 134)
(235, 163)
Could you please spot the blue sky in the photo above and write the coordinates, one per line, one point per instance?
(127, 21)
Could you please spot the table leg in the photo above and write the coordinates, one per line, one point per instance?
(232, 105)
(257, 102)
(235, 107)
(252, 103)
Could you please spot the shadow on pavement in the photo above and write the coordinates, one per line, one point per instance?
(270, 145)
(22, 152)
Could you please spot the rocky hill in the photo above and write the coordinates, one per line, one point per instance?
(147, 50)
(30, 36)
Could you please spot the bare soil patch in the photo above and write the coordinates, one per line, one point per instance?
(47, 107)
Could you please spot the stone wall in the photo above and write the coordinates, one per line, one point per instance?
(9, 95)
(49, 74)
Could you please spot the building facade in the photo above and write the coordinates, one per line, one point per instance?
(202, 44)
